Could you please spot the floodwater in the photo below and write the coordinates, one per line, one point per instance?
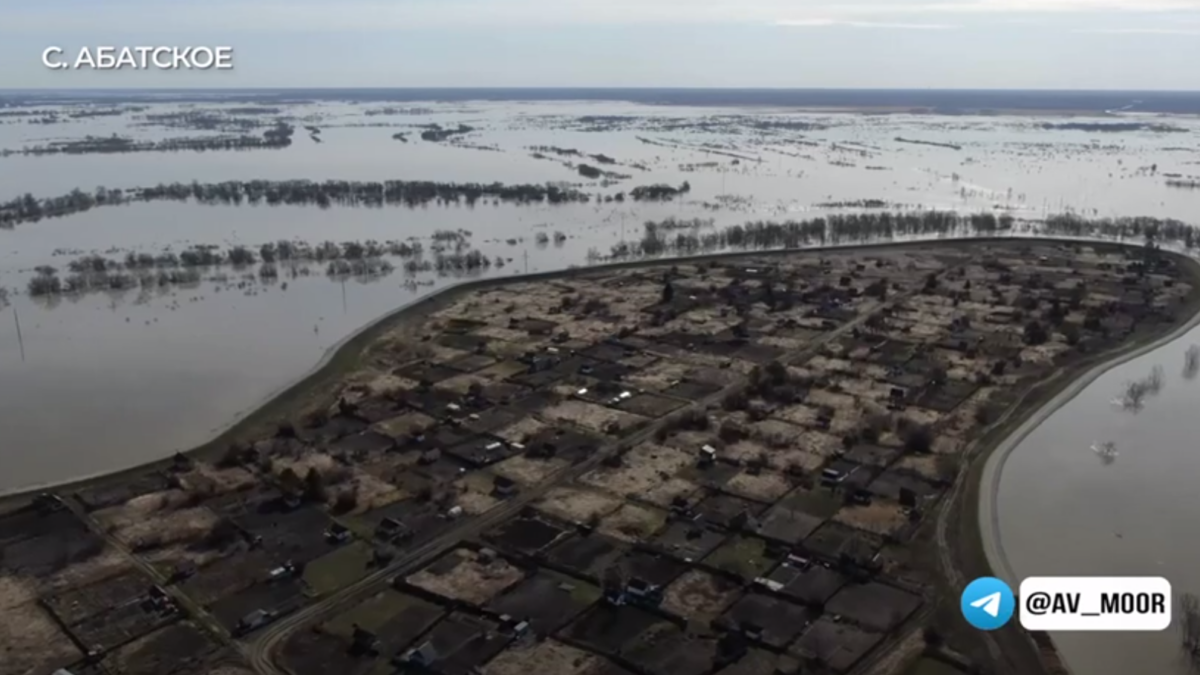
(103, 381)
(1066, 511)
(173, 366)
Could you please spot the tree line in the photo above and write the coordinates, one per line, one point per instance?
(28, 208)
(272, 139)
(666, 238)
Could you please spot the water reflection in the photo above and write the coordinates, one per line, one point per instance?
(1191, 362)
(1133, 399)
(1106, 451)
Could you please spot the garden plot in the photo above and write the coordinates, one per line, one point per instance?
(548, 657)
(463, 575)
(633, 522)
(881, 516)
(699, 596)
(526, 471)
(577, 505)
(763, 486)
(147, 528)
(547, 600)
(522, 430)
(643, 469)
(32, 643)
(594, 418)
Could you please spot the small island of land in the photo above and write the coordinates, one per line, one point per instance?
(732, 466)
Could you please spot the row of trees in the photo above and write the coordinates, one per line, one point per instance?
(273, 138)
(662, 238)
(288, 192)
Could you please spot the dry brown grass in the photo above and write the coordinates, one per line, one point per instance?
(643, 468)
(370, 492)
(470, 580)
(577, 505)
(590, 416)
(527, 471)
(924, 465)
(108, 563)
(15, 590)
(880, 516)
(210, 480)
(543, 658)
(698, 596)
(522, 430)
(461, 384)
(766, 486)
(31, 643)
(475, 493)
(140, 531)
(633, 522)
(403, 425)
(665, 492)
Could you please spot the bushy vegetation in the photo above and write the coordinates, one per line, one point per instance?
(27, 208)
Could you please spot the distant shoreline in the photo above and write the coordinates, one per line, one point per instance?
(922, 101)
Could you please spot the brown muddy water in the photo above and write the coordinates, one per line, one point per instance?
(114, 379)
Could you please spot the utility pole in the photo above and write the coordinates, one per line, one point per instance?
(343, 294)
(20, 340)
(525, 255)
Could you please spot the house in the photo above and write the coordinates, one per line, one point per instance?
(832, 477)
(860, 497)
(363, 640)
(512, 626)
(392, 530)
(642, 592)
(337, 534)
(253, 621)
(504, 487)
(286, 571)
(424, 655)
(184, 570)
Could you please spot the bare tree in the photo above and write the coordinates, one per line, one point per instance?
(1189, 605)
(1191, 362)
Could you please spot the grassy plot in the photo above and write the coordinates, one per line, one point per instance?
(744, 556)
(338, 569)
(371, 614)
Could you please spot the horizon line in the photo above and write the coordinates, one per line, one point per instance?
(245, 88)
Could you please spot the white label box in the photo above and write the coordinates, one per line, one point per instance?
(1095, 603)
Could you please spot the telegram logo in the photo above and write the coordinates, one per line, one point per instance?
(987, 603)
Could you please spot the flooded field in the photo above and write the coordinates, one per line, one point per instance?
(176, 362)
(103, 378)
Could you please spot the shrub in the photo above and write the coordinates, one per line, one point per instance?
(918, 439)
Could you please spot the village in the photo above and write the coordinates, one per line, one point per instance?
(717, 467)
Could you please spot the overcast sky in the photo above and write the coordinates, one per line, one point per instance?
(1059, 44)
